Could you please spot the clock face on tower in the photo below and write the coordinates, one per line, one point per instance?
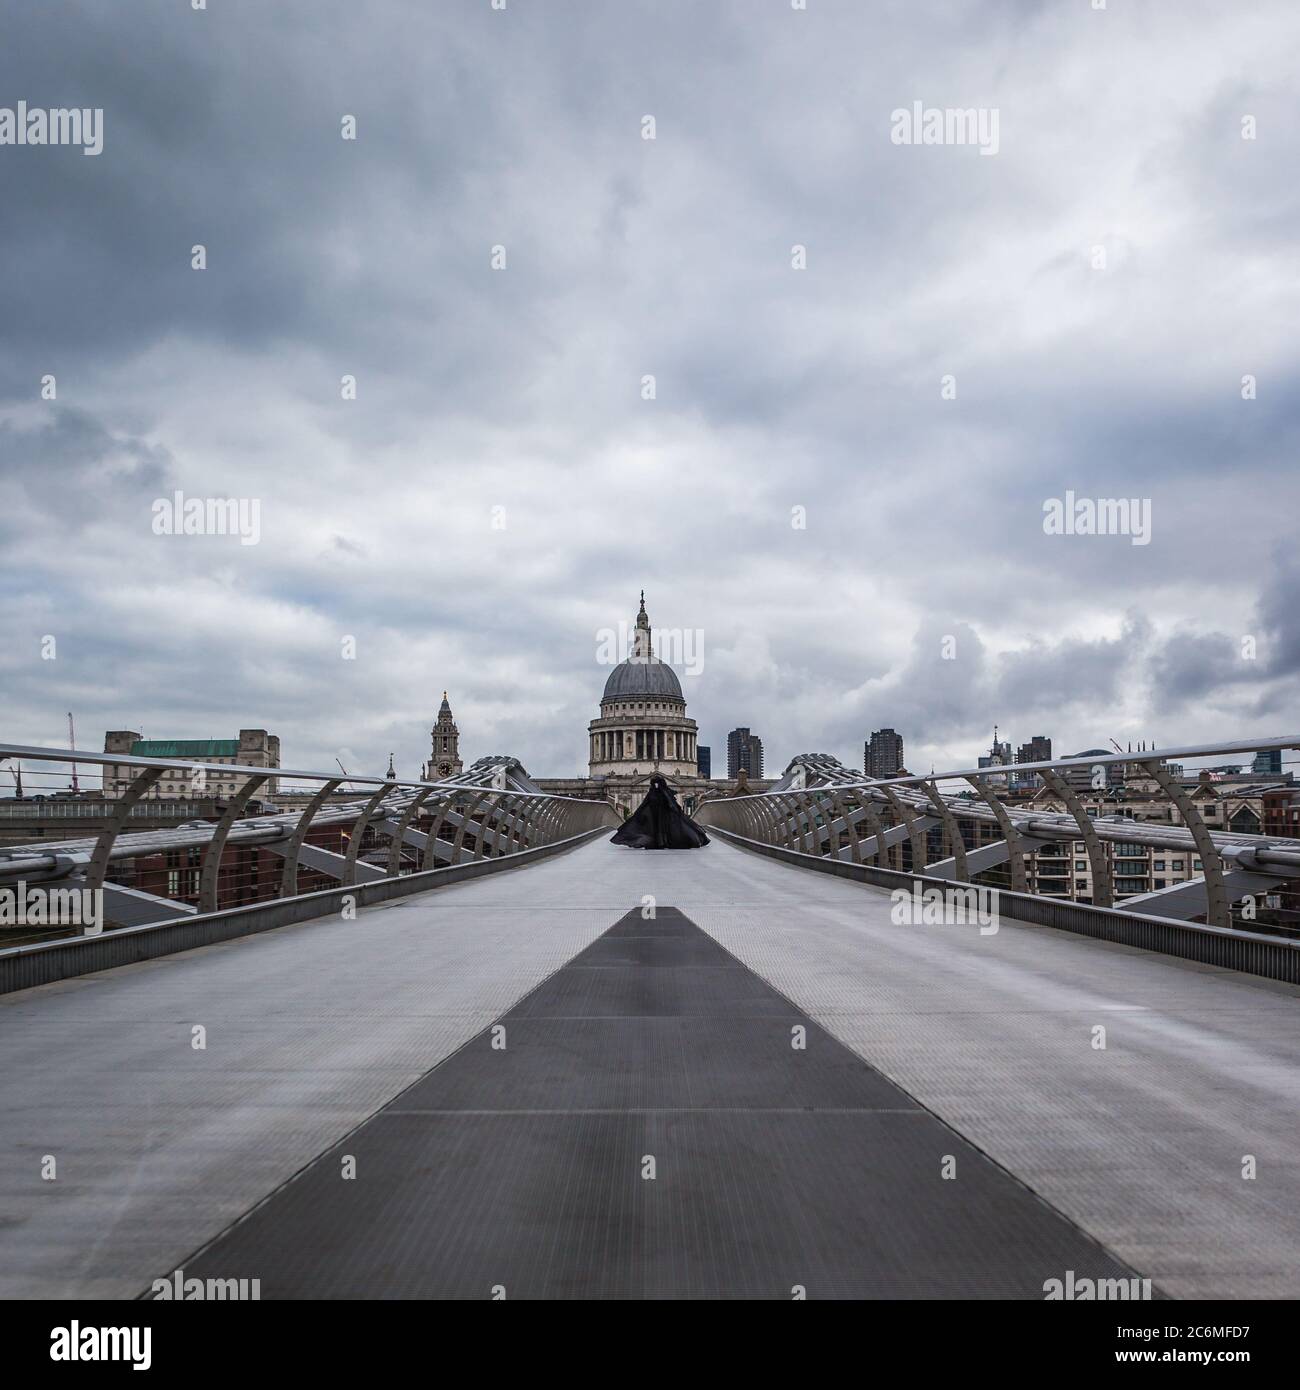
(444, 769)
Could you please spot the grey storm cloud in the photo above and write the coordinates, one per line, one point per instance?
(1279, 613)
(67, 467)
(500, 489)
(1262, 661)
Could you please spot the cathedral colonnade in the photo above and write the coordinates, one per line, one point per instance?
(639, 744)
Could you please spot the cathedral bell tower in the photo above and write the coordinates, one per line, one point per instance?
(445, 760)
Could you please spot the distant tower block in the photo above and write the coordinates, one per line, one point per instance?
(445, 761)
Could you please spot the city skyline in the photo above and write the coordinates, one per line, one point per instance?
(654, 654)
(799, 489)
(961, 758)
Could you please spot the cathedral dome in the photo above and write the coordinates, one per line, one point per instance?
(642, 726)
(642, 678)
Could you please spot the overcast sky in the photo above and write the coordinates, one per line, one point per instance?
(499, 490)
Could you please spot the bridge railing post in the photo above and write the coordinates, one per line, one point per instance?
(289, 876)
(789, 820)
(429, 858)
(359, 829)
(466, 817)
(1103, 888)
(1015, 841)
(210, 864)
(505, 824)
(805, 822)
(1218, 913)
(398, 843)
(871, 814)
(545, 823)
(98, 867)
(950, 825)
(490, 825)
(915, 835)
(841, 812)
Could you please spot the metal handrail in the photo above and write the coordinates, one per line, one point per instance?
(478, 803)
(818, 787)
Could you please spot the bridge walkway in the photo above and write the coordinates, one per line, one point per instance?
(164, 1149)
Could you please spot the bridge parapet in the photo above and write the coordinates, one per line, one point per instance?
(938, 826)
(314, 835)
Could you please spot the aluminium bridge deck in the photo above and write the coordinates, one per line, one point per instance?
(626, 1038)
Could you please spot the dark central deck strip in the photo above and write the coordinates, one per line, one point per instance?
(776, 1168)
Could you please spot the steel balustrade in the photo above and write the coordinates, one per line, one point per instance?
(811, 811)
(209, 874)
(358, 833)
(1219, 914)
(915, 833)
(818, 803)
(493, 804)
(951, 829)
(1103, 887)
(1015, 840)
(289, 876)
(403, 828)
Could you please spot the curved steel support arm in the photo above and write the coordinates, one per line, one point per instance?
(543, 823)
(1015, 840)
(767, 816)
(743, 819)
(359, 832)
(1103, 889)
(429, 859)
(395, 845)
(209, 874)
(1218, 913)
(491, 817)
(839, 812)
(289, 878)
(104, 844)
(877, 827)
(809, 841)
(771, 816)
(916, 836)
(466, 817)
(944, 812)
(508, 826)
(525, 829)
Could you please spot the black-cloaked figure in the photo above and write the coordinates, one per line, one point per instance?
(660, 823)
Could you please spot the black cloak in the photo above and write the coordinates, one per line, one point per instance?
(660, 823)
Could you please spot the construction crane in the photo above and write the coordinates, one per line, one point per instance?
(72, 746)
(16, 772)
